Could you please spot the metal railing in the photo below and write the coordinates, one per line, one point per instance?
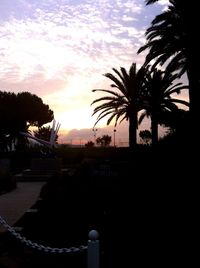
(92, 245)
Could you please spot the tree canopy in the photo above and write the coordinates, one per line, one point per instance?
(20, 111)
(104, 141)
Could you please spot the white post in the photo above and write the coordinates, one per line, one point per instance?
(93, 250)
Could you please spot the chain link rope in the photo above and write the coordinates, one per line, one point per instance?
(37, 246)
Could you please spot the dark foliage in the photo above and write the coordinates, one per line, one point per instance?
(17, 113)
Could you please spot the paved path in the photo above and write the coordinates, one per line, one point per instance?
(14, 204)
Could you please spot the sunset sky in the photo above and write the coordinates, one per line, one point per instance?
(60, 49)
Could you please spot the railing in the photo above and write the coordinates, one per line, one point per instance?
(92, 245)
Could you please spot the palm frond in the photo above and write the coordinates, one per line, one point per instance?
(121, 113)
(175, 89)
(142, 116)
(111, 118)
(103, 99)
(104, 115)
(119, 84)
(132, 70)
(180, 101)
(121, 76)
(149, 2)
(123, 118)
(103, 110)
(107, 91)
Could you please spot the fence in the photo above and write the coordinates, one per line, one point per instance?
(92, 245)
(81, 143)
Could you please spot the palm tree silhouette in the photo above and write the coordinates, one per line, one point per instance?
(157, 97)
(171, 39)
(123, 100)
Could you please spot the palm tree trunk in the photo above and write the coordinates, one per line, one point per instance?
(133, 130)
(154, 130)
(193, 60)
(194, 92)
(193, 73)
(194, 97)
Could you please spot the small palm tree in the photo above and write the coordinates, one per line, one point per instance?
(157, 97)
(123, 100)
(44, 133)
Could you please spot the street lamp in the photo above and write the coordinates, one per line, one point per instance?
(95, 131)
(114, 136)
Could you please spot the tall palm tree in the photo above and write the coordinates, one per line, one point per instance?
(171, 38)
(123, 99)
(158, 99)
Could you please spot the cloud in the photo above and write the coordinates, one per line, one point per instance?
(163, 2)
(59, 49)
(56, 40)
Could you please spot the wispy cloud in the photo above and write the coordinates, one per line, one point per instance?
(163, 2)
(59, 49)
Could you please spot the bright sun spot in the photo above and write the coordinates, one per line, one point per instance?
(75, 119)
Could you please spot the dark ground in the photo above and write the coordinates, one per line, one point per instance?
(147, 218)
